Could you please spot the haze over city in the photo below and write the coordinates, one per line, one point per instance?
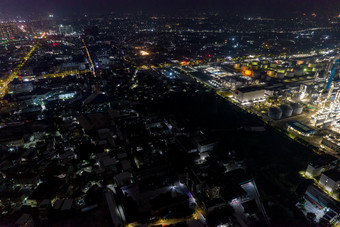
(244, 7)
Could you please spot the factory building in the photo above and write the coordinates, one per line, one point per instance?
(331, 143)
(322, 201)
(330, 180)
(249, 94)
(300, 128)
(315, 168)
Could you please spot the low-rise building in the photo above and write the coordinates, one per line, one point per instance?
(315, 168)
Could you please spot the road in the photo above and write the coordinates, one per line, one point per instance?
(14, 74)
(90, 59)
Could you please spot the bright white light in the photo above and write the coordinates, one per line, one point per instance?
(144, 53)
(302, 96)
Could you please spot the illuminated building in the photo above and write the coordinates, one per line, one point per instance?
(330, 180)
(331, 143)
(300, 128)
(315, 168)
(65, 29)
(9, 31)
(319, 198)
(249, 94)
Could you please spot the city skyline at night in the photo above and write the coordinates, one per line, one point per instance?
(169, 113)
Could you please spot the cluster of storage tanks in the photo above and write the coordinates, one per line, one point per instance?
(298, 68)
(285, 110)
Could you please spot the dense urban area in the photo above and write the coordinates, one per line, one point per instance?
(197, 119)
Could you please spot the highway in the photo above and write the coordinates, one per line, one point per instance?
(90, 59)
(14, 74)
(5, 82)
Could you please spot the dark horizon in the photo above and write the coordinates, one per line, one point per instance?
(243, 7)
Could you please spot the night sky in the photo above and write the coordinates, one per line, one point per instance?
(256, 7)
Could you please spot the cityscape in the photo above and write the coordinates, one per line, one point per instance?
(169, 114)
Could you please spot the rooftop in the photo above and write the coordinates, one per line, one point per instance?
(334, 174)
(301, 127)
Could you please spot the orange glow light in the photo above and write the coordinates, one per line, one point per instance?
(144, 53)
(248, 73)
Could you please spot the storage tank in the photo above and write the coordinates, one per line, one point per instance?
(275, 113)
(300, 62)
(297, 108)
(273, 65)
(248, 73)
(271, 73)
(311, 65)
(281, 70)
(244, 68)
(287, 110)
(237, 66)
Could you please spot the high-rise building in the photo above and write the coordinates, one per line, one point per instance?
(65, 29)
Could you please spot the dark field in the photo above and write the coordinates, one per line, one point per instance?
(272, 158)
